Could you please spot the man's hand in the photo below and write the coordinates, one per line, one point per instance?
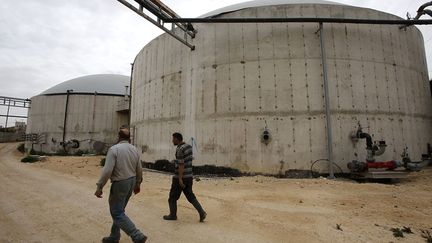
(98, 193)
(182, 185)
(137, 189)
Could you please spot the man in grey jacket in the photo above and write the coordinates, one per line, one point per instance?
(123, 167)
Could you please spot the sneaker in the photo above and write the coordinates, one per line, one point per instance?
(203, 216)
(170, 217)
(109, 240)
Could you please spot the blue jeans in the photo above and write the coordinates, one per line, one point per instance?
(119, 196)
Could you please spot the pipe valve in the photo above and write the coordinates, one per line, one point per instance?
(265, 136)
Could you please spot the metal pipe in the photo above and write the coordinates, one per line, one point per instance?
(13, 116)
(130, 96)
(94, 115)
(299, 20)
(7, 114)
(421, 11)
(65, 117)
(327, 103)
(140, 13)
(368, 137)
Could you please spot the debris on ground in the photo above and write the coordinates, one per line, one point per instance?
(427, 235)
(397, 232)
(407, 230)
(338, 227)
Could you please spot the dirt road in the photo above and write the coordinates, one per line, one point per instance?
(53, 201)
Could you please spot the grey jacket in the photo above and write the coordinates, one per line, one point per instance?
(122, 162)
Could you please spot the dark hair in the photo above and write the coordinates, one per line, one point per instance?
(178, 136)
(124, 134)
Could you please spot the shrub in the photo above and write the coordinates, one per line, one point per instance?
(61, 152)
(102, 162)
(32, 151)
(21, 148)
(79, 152)
(29, 159)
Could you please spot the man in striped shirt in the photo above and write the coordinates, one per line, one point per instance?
(183, 179)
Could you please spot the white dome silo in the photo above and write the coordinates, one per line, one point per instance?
(94, 108)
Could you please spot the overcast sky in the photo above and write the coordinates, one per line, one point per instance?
(46, 42)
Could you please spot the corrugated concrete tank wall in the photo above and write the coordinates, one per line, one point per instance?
(97, 107)
(242, 78)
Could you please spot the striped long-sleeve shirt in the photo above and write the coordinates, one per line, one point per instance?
(184, 155)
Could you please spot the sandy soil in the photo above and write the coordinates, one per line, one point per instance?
(53, 201)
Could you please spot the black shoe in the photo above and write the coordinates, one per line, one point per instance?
(143, 240)
(109, 240)
(170, 217)
(203, 216)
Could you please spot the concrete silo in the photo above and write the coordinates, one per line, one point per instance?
(251, 95)
(84, 113)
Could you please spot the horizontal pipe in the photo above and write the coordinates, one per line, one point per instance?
(298, 20)
(13, 116)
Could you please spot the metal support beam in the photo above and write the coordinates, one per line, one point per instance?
(327, 102)
(161, 26)
(152, 8)
(7, 114)
(14, 102)
(163, 12)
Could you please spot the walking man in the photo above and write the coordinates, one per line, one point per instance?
(182, 180)
(123, 167)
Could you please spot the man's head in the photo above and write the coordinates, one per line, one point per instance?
(124, 134)
(177, 138)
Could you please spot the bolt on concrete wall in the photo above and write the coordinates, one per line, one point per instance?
(243, 78)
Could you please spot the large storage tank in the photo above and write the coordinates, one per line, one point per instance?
(244, 79)
(89, 115)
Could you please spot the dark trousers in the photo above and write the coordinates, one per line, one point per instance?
(176, 191)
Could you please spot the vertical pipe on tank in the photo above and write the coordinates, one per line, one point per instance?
(327, 103)
(65, 117)
(130, 95)
(93, 130)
